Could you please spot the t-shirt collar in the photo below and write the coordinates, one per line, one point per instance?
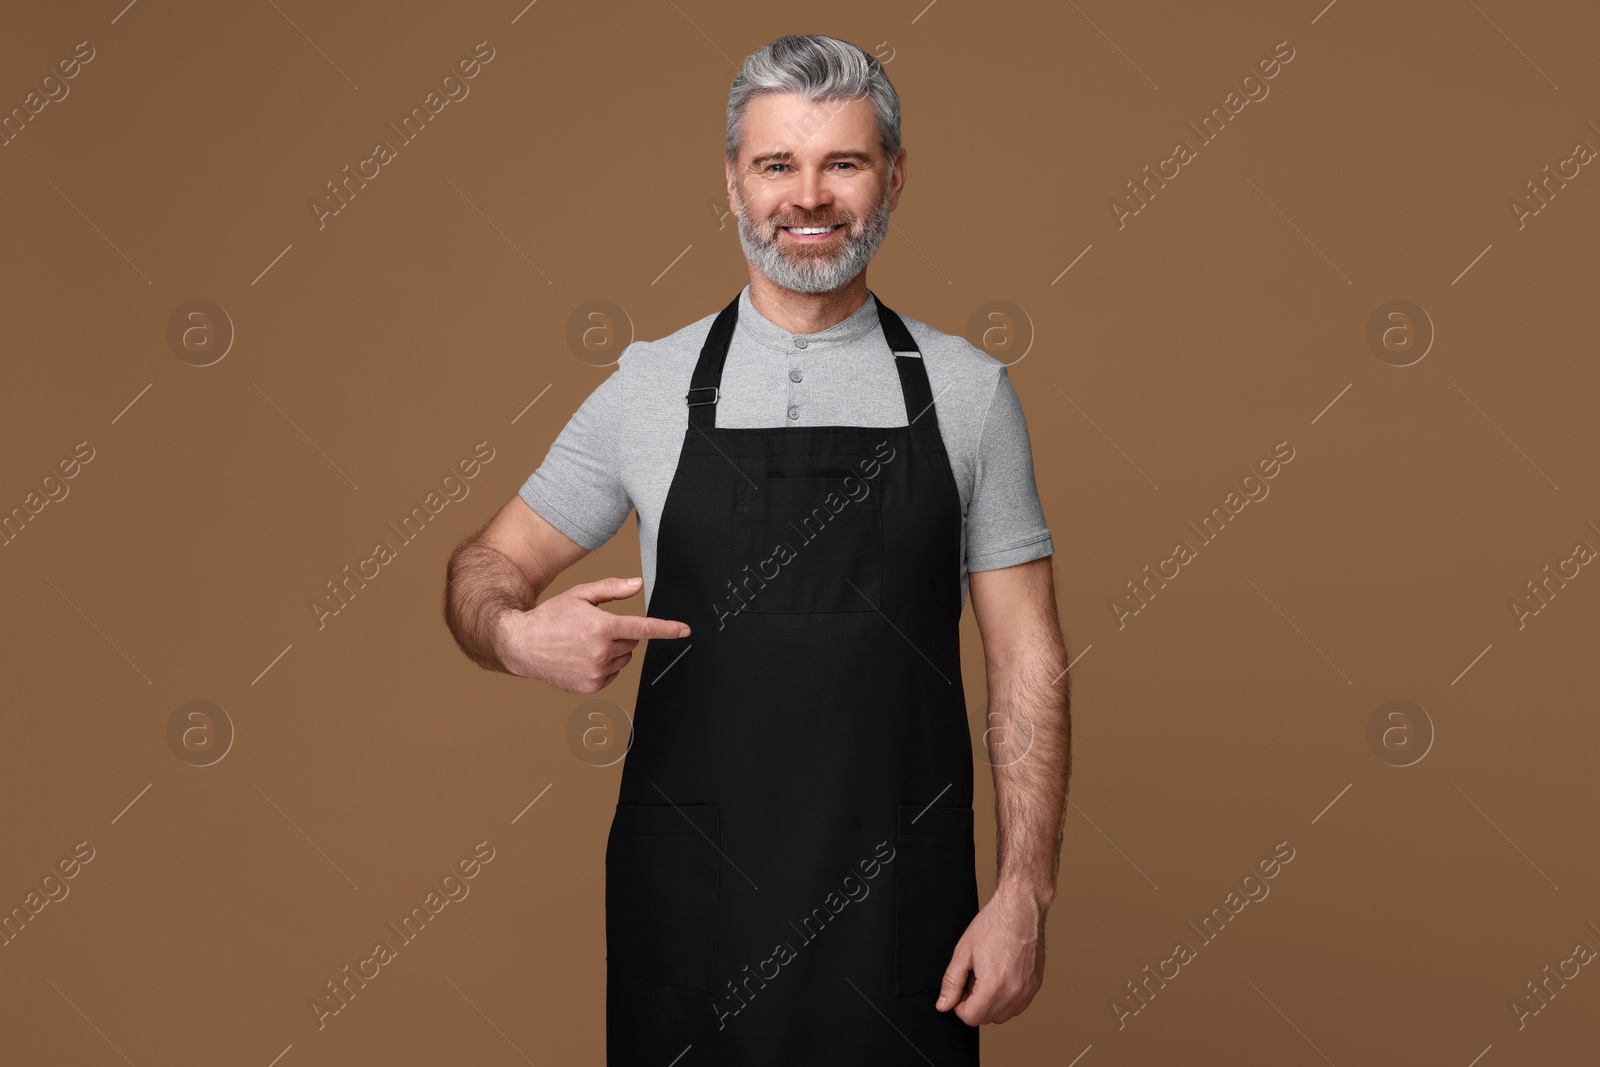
(756, 326)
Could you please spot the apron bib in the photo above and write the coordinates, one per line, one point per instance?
(791, 859)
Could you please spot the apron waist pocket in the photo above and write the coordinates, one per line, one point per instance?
(936, 893)
(662, 884)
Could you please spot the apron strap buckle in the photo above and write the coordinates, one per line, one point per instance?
(715, 393)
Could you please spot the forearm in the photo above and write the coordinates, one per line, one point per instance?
(1029, 737)
(481, 584)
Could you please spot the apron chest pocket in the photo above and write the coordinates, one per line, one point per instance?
(662, 881)
(936, 894)
(806, 542)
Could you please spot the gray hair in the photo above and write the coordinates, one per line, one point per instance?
(820, 69)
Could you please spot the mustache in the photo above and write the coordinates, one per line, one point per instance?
(847, 220)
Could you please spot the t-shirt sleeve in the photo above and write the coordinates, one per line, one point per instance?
(1005, 521)
(579, 488)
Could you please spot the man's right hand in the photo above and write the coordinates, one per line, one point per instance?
(571, 642)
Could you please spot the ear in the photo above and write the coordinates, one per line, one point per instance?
(898, 180)
(728, 171)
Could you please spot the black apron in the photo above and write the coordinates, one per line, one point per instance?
(791, 860)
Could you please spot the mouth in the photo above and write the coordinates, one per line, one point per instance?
(812, 234)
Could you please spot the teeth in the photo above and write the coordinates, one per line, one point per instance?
(808, 229)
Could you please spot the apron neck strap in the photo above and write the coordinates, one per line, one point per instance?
(705, 386)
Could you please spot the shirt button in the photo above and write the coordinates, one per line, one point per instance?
(794, 376)
(794, 411)
(799, 342)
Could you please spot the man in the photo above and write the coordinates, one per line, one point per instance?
(820, 485)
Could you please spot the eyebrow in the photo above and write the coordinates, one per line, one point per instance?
(784, 157)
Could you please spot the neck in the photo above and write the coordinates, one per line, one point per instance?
(806, 312)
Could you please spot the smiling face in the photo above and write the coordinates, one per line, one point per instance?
(812, 190)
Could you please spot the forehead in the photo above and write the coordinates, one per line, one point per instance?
(788, 122)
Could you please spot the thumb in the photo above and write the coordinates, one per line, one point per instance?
(606, 589)
(954, 983)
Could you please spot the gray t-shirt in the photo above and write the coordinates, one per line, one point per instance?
(620, 449)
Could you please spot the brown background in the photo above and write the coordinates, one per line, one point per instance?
(372, 354)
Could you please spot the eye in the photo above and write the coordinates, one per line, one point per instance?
(837, 163)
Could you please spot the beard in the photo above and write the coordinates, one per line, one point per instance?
(805, 269)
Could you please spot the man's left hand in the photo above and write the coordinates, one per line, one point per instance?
(1003, 948)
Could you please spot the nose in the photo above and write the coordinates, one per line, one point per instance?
(812, 191)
